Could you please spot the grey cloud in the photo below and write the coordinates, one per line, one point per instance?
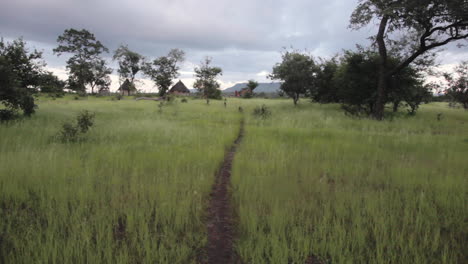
(244, 37)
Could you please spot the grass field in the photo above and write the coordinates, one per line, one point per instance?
(311, 181)
(307, 180)
(133, 192)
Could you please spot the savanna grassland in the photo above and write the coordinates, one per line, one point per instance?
(311, 181)
(132, 192)
(306, 181)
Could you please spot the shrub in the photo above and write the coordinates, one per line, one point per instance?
(184, 100)
(69, 133)
(262, 112)
(85, 120)
(74, 132)
(7, 115)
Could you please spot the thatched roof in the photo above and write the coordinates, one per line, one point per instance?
(127, 86)
(179, 87)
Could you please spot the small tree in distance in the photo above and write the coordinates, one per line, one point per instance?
(206, 82)
(298, 73)
(457, 88)
(130, 63)
(165, 69)
(251, 85)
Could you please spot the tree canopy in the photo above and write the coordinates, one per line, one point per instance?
(165, 69)
(85, 65)
(206, 82)
(130, 63)
(297, 71)
(20, 74)
(424, 24)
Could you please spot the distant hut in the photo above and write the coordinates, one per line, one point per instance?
(179, 88)
(104, 91)
(127, 88)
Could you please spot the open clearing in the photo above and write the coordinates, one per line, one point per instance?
(306, 181)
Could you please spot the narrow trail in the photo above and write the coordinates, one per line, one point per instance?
(220, 220)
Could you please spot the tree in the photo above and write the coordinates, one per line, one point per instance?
(130, 63)
(428, 24)
(355, 80)
(206, 79)
(357, 76)
(165, 69)
(20, 73)
(51, 85)
(298, 73)
(85, 64)
(326, 91)
(251, 85)
(99, 77)
(457, 87)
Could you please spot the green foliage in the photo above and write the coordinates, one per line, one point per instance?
(297, 71)
(85, 120)
(68, 133)
(326, 91)
(7, 115)
(356, 81)
(130, 63)
(206, 82)
(51, 85)
(251, 85)
(262, 112)
(85, 66)
(20, 73)
(409, 30)
(184, 100)
(457, 84)
(165, 69)
(75, 132)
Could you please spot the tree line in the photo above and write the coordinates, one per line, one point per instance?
(23, 74)
(364, 81)
(391, 70)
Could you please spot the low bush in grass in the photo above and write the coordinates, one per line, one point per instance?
(75, 132)
(262, 112)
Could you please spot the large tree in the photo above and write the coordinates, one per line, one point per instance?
(165, 69)
(130, 63)
(298, 73)
(425, 25)
(20, 75)
(356, 77)
(85, 62)
(206, 82)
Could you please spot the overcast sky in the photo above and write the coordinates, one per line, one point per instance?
(244, 37)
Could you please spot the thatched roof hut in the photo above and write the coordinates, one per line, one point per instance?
(179, 88)
(127, 88)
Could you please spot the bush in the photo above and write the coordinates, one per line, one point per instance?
(184, 100)
(7, 115)
(74, 132)
(262, 112)
(69, 133)
(85, 120)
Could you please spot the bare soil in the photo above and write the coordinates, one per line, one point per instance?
(219, 222)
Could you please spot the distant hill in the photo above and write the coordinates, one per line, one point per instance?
(261, 88)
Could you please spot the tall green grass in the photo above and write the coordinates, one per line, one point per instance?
(311, 181)
(133, 192)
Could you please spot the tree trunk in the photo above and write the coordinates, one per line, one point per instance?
(379, 107)
(395, 106)
(295, 99)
